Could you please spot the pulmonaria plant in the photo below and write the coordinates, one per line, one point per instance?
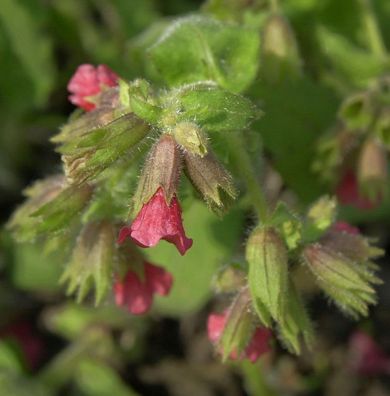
(194, 132)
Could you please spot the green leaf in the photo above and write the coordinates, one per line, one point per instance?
(198, 48)
(32, 46)
(95, 378)
(353, 64)
(33, 270)
(210, 107)
(295, 114)
(214, 241)
(9, 359)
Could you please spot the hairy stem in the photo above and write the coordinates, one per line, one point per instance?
(244, 166)
(375, 40)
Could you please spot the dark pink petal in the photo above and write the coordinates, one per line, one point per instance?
(342, 226)
(157, 220)
(159, 280)
(366, 356)
(89, 81)
(348, 192)
(133, 294)
(259, 344)
(123, 234)
(215, 325)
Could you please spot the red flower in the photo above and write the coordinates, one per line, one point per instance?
(136, 293)
(256, 347)
(366, 356)
(348, 192)
(342, 226)
(89, 81)
(158, 220)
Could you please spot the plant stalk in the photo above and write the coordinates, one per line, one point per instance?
(244, 166)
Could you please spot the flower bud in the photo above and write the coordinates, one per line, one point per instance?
(234, 332)
(191, 138)
(22, 224)
(266, 254)
(211, 179)
(372, 170)
(229, 279)
(162, 170)
(346, 282)
(348, 241)
(357, 111)
(91, 263)
(320, 217)
(280, 56)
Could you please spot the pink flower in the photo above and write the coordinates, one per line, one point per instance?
(258, 345)
(348, 192)
(136, 292)
(342, 226)
(158, 220)
(366, 356)
(87, 82)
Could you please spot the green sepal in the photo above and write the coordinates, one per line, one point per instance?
(238, 326)
(297, 326)
(86, 156)
(266, 254)
(90, 266)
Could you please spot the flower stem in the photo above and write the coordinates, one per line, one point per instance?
(375, 40)
(244, 166)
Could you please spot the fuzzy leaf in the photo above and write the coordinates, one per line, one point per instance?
(198, 48)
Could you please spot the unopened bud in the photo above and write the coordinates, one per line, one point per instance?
(357, 111)
(230, 278)
(91, 262)
(347, 283)
(22, 224)
(211, 179)
(372, 170)
(320, 217)
(352, 245)
(280, 55)
(238, 326)
(266, 254)
(191, 137)
(161, 170)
